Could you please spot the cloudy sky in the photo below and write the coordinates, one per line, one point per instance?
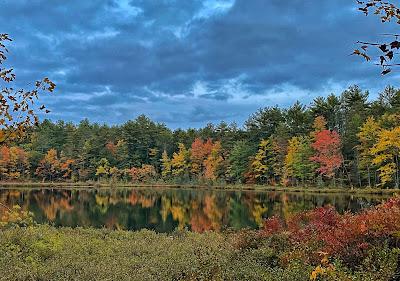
(187, 62)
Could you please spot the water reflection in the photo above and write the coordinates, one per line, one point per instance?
(169, 209)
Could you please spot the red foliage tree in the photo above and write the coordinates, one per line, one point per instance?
(327, 152)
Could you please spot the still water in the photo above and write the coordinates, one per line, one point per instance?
(165, 210)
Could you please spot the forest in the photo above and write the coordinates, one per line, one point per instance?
(345, 140)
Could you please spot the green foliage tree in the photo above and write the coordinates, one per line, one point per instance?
(80, 147)
(298, 166)
(239, 160)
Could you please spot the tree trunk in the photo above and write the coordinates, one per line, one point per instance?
(369, 177)
(397, 172)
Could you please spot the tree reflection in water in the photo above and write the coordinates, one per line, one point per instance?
(165, 210)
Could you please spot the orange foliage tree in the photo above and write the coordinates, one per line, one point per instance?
(213, 162)
(49, 167)
(199, 153)
(14, 163)
(143, 174)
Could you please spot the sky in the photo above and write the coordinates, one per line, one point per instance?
(188, 62)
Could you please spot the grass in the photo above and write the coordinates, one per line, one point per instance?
(47, 253)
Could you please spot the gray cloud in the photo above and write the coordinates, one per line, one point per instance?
(187, 63)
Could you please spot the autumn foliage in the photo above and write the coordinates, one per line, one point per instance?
(346, 236)
(328, 154)
(142, 174)
(17, 111)
(339, 139)
(14, 163)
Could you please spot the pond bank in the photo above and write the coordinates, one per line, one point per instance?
(236, 187)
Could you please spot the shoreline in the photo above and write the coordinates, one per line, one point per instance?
(258, 188)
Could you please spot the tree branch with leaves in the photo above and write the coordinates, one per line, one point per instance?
(17, 106)
(384, 53)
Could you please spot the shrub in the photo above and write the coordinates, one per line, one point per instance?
(16, 217)
(348, 236)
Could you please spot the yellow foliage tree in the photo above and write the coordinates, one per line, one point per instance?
(318, 126)
(264, 161)
(166, 166)
(368, 136)
(386, 153)
(213, 162)
(103, 169)
(297, 161)
(180, 162)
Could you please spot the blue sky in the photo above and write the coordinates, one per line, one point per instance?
(188, 62)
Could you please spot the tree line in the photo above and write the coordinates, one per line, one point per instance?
(339, 140)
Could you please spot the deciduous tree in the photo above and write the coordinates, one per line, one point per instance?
(263, 164)
(328, 153)
(298, 165)
(49, 167)
(213, 162)
(17, 111)
(386, 153)
(181, 162)
(103, 168)
(166, 166)
(198, 154)
(368, 136)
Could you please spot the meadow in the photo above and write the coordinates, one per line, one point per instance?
(320, 244)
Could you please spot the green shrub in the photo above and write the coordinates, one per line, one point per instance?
(47, 253)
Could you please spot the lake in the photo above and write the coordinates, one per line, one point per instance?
(165, 210)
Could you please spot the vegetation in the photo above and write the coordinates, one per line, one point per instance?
(17, 110)
(344, 140)
(384, 54)
(308, 246)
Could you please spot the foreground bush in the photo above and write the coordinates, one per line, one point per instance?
(314, 245)
(47, 253)
(349, 238)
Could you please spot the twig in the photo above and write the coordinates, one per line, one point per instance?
(4, 206)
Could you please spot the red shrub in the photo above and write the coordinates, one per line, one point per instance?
(346, 236)
(272, 225)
